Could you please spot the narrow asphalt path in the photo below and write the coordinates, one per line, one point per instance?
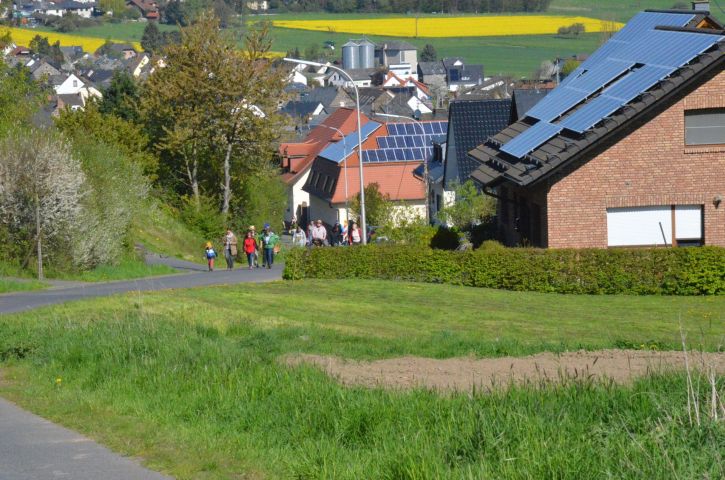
(197, 276)
(32, 448)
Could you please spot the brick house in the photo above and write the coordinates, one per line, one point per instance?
(628, 151)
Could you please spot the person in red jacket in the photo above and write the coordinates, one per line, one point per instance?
(250, 247)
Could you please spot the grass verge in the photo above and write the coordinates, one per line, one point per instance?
(127, 269)
(7, 285)
(190, 381)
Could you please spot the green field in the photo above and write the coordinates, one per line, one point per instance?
(519, 56)
(191, 382)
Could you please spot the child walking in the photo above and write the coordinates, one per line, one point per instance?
(210, 256)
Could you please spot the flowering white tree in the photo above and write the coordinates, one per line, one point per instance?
(41, 187)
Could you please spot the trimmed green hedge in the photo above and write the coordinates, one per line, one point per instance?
(667, 271)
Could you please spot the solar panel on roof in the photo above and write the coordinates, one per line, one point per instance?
(636, 82)
(591, 113)
(338, 151)
(639, 42)
(601, 74)
(528, 140)
(556, 103)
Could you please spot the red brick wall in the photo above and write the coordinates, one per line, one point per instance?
(650, 166)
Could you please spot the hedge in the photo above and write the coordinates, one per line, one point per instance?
(664, 271)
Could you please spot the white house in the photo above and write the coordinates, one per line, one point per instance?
(75, 86)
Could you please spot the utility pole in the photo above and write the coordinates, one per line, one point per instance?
(39, 234)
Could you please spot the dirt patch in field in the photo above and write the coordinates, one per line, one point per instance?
(461, 374)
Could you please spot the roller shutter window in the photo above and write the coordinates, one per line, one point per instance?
(652, 226)
(639, 226)
(705, 127)
(688, 225)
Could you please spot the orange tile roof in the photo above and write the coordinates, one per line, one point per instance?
(343, 119)
(395, 179)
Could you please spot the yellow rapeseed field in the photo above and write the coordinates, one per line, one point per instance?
(450, 26)
(23, 36)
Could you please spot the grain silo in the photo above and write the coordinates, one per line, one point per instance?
(367, 53)
(350, 55)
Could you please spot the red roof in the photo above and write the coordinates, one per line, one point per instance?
(404, 83)
(395, 179)
(343, 119)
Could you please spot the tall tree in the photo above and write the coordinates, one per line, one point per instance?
(40, 45)
(152, 40)
(121, 97)
(211, 110)
(41, 188)
(429, 53)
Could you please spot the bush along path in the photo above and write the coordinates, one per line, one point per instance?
(195, 276)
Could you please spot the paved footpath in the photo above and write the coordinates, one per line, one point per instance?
(32, 448)
(197, 277)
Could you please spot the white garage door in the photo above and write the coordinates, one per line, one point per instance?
(639, 226)
(643, 226)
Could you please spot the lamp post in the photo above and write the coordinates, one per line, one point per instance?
(363, 223)
(344, 146)
(425, 160)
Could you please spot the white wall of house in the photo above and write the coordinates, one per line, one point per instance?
(298, 77)
(71, 86)
(296, 196)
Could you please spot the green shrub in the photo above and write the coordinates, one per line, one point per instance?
(684, 271)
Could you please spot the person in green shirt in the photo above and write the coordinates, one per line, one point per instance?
(269, 241)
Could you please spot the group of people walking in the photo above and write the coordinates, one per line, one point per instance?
(265, 241)
(317, 235)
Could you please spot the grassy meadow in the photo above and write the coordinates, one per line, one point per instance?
(190, 381)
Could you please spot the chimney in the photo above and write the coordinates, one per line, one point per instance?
(701, 5)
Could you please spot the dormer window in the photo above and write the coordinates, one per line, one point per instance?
(75, 83)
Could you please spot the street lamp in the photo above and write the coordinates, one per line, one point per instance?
(344, 146)
(363, 223)
(425, 160)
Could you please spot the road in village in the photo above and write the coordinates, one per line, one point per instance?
(32, 448)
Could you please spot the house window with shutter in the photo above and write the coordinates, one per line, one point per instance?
(705, 127)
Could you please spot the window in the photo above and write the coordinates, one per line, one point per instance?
(655, 225)
(705, 127)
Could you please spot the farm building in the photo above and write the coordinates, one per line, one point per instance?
(628, 151)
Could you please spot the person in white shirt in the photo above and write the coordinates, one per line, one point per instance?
(355, 234)
(299, 239)
(319, 234)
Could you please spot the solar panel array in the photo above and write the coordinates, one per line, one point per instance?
(531, 138)
(407, 142)
(630, 63)
(411, 128)
(397, 155)
(339, 151)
